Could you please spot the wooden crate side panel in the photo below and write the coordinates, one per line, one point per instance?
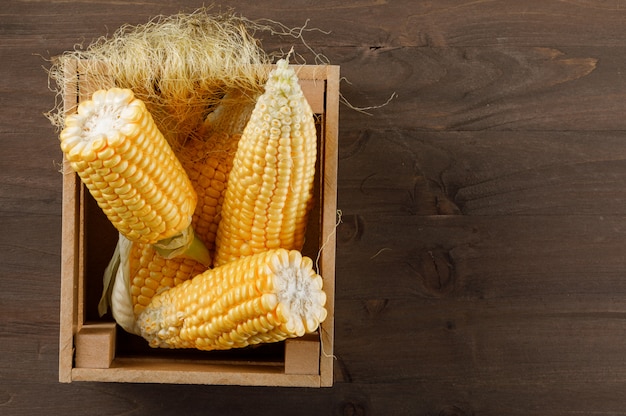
(320, 85)
(69, 272)
(70, 257)
(329, 220)
(142, 371)
(314, 92)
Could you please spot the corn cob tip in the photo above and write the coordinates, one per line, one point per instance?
(283, 79)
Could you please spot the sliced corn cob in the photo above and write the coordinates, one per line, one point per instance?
(270, 185)
(115, 147)
(113, 144)
(266, 297)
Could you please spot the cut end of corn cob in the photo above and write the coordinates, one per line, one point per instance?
(266, 297)
(112, 142)
(299, 292)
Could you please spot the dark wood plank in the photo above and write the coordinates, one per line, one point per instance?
(482, 173)
(480, 255)
(484, 258)
(370, 23)
(552, 85)
(437, 24)
(534, 317)
(497, 88)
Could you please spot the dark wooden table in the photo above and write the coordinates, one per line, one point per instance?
(481, 258)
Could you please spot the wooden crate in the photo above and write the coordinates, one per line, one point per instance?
(95, 349)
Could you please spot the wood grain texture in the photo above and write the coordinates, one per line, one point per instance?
(483, 173)
(496, 88)
(480, 258)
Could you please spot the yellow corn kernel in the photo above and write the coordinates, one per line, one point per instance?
(207, 157)
(115, 147)
(152, 273)
(208, 162)
(272, 175)
(266, 297)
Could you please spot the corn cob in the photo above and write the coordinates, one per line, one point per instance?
(208, 163)
(207, 158)
(266, 297)
(151, 274)
(270, 185)
(122, 158)
(115, 147)
(232, 114)
(136, 272)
